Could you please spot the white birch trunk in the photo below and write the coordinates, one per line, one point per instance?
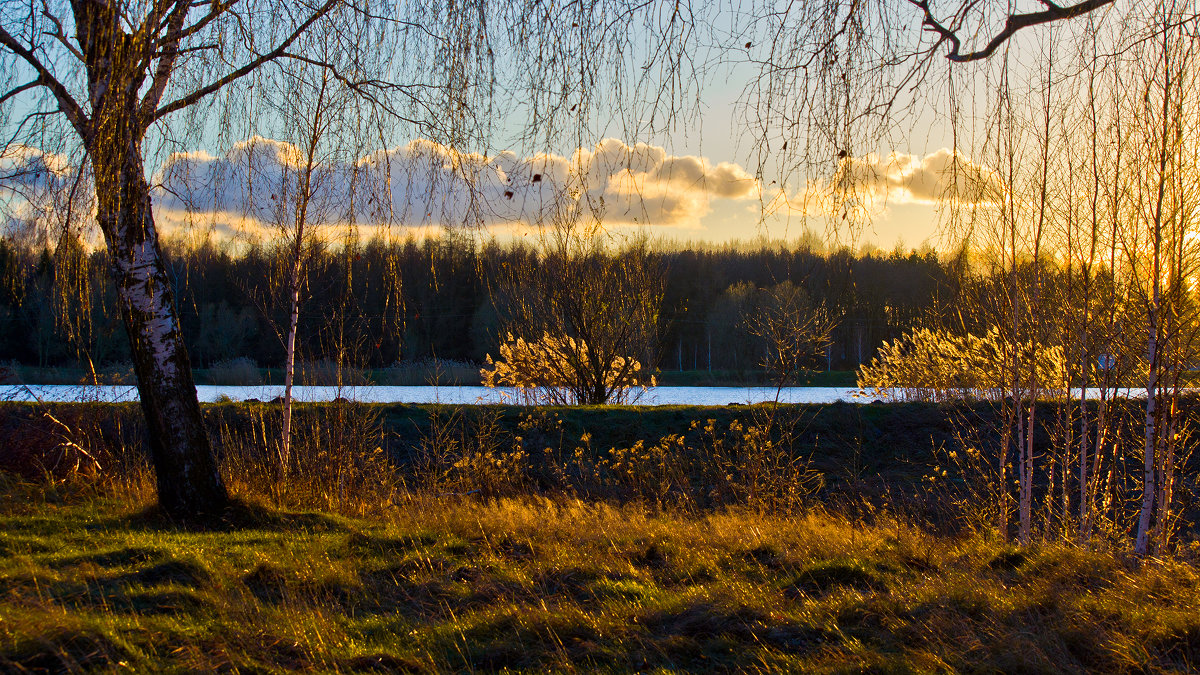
(189, 482)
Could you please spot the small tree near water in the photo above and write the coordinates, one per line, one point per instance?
(560, 371)
(582, 315)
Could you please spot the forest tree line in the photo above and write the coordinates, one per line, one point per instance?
(372, 304)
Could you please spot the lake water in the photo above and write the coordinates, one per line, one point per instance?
(427, 394)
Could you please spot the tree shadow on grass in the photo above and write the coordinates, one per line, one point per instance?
(238, 515)
(63, 650)
(156, 584)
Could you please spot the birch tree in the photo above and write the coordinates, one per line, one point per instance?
(1163, 254)
(318, 135)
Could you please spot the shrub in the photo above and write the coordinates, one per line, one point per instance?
(563, 371)
(928, 365)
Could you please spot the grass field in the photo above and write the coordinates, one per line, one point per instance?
(614, 539)
(535, 585)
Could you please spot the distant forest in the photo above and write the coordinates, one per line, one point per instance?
(374, 304)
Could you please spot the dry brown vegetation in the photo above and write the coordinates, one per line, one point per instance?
(476, 553)
(533, 585)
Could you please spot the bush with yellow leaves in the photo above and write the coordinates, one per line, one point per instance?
(562, 370)
(929, 365)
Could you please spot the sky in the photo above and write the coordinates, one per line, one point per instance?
(422, 186)
(702, 180)
(698, 182)
(639, 187)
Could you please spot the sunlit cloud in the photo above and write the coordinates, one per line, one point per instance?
(869, 184)
(426, 184)
(942, 176)
(40, 192)
(22, 165)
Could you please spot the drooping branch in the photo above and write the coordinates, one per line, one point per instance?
(248, 68)
(947, 32)
(367, 88)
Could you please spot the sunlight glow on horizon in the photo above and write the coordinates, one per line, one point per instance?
(421, 187)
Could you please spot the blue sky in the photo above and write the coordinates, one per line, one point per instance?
(703, 178)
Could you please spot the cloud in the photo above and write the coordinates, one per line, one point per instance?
(946, 176)
(424, 183)
(255, 181)
(941, 176)
(871, 183)
(39, 191)
(22, 166)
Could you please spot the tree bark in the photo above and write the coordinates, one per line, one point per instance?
(1155, 345)
(289, 365)
(189, 482)
(1142, 540)
(1025, 531)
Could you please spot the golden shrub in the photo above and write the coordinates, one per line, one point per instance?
(562, 371)
(930, 365)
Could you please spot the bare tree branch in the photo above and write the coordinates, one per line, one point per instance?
(217, 10)
(58, 33)
(1014, 23)
(66, 102)
(36, 82)
(248, 68)
(170, 53)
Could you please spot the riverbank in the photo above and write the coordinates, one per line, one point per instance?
(439, 538)
(934, 462)
(674, 454)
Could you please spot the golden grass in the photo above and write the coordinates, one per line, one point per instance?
(91, 583)
(480, 552)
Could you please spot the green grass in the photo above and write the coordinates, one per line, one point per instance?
(535, 585)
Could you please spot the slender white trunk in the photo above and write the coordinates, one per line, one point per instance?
(1153, 321)
(289, 371)
(304, 195)
(1084, 441)
(1143, 531)
(1026, 531)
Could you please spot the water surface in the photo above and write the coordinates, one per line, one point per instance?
(463, 394)
(429, 394)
